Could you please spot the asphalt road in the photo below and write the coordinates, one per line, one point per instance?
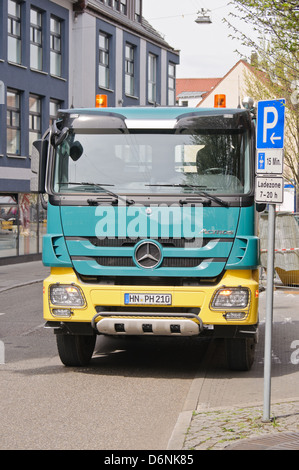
(129, 398)
(134, 392)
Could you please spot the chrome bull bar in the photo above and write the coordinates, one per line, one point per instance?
(142, 324)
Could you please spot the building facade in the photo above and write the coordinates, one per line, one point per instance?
(127, 59)
(61, 53)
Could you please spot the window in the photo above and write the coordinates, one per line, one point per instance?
(152, 78)
(116, 5)
(138, 10)
(129, 70)
(55, 47)
(123, 6)
(13, 123)
(171, 84)
(197, 157)
(36, 51)
(55, 105)
(14, 32)
(35, 120)
(104, 72)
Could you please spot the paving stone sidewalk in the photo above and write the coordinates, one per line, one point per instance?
(242, 428)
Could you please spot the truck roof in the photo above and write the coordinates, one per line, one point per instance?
(153, 112)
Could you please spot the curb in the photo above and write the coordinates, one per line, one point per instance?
(177, 439)
(28, 283)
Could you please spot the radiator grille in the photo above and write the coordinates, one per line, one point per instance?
(122, 261)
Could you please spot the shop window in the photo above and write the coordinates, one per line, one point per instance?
(22, 225)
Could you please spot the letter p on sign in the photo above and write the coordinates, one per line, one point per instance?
(270, 124)
(267, 123)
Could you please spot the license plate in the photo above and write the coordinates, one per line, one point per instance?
(148, 299)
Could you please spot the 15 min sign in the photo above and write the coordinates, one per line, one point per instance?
(269, 161)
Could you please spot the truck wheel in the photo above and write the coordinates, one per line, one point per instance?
(75, 350)
(240, 353)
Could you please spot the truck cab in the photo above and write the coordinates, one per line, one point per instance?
(151, 227)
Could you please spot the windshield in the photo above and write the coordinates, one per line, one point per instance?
(157, 162)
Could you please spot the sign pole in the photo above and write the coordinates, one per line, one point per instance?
(269, 188)
(269, 314)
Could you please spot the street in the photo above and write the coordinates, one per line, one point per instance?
(133, 392)
(129, 398)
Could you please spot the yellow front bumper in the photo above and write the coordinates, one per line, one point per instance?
(189, 297)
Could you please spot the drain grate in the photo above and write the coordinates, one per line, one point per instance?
(281, 441)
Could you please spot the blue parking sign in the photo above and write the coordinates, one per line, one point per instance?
(270, 124)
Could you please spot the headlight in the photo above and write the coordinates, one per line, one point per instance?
(231, 297)
(66, 295)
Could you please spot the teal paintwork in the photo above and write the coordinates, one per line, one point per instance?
(86, 248)
(91, 267)
(133, 221)
(234, 225)
(231, 231)
(151, 112)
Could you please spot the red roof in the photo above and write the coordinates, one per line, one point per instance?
(195, 84)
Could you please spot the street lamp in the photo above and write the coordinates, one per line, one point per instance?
(203, 18)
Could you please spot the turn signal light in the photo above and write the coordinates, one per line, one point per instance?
(225, 292)
(220, 101)
(101, 101)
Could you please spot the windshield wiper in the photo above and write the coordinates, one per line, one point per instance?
(102, 188)
(198, 193)
(216, 199)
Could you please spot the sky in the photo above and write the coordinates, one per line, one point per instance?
(206, 51)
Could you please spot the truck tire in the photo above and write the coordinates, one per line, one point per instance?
(75, 350)
(240, 353)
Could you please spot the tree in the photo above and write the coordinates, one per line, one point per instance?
(274, 41)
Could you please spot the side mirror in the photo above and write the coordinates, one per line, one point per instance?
(38, 166)
(260, 207)
(76, 151)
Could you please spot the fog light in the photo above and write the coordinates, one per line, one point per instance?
(61, 312)
(235, 316)
(231, 297)
(66, 295)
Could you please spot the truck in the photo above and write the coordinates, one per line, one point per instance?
(151, 227)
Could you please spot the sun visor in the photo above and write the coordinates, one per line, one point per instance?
(104, 122)
(215, 120)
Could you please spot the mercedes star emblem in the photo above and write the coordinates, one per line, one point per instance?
(148, 255)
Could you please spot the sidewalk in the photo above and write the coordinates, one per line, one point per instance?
(223, 410)
(243, 429)
(14, 275)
